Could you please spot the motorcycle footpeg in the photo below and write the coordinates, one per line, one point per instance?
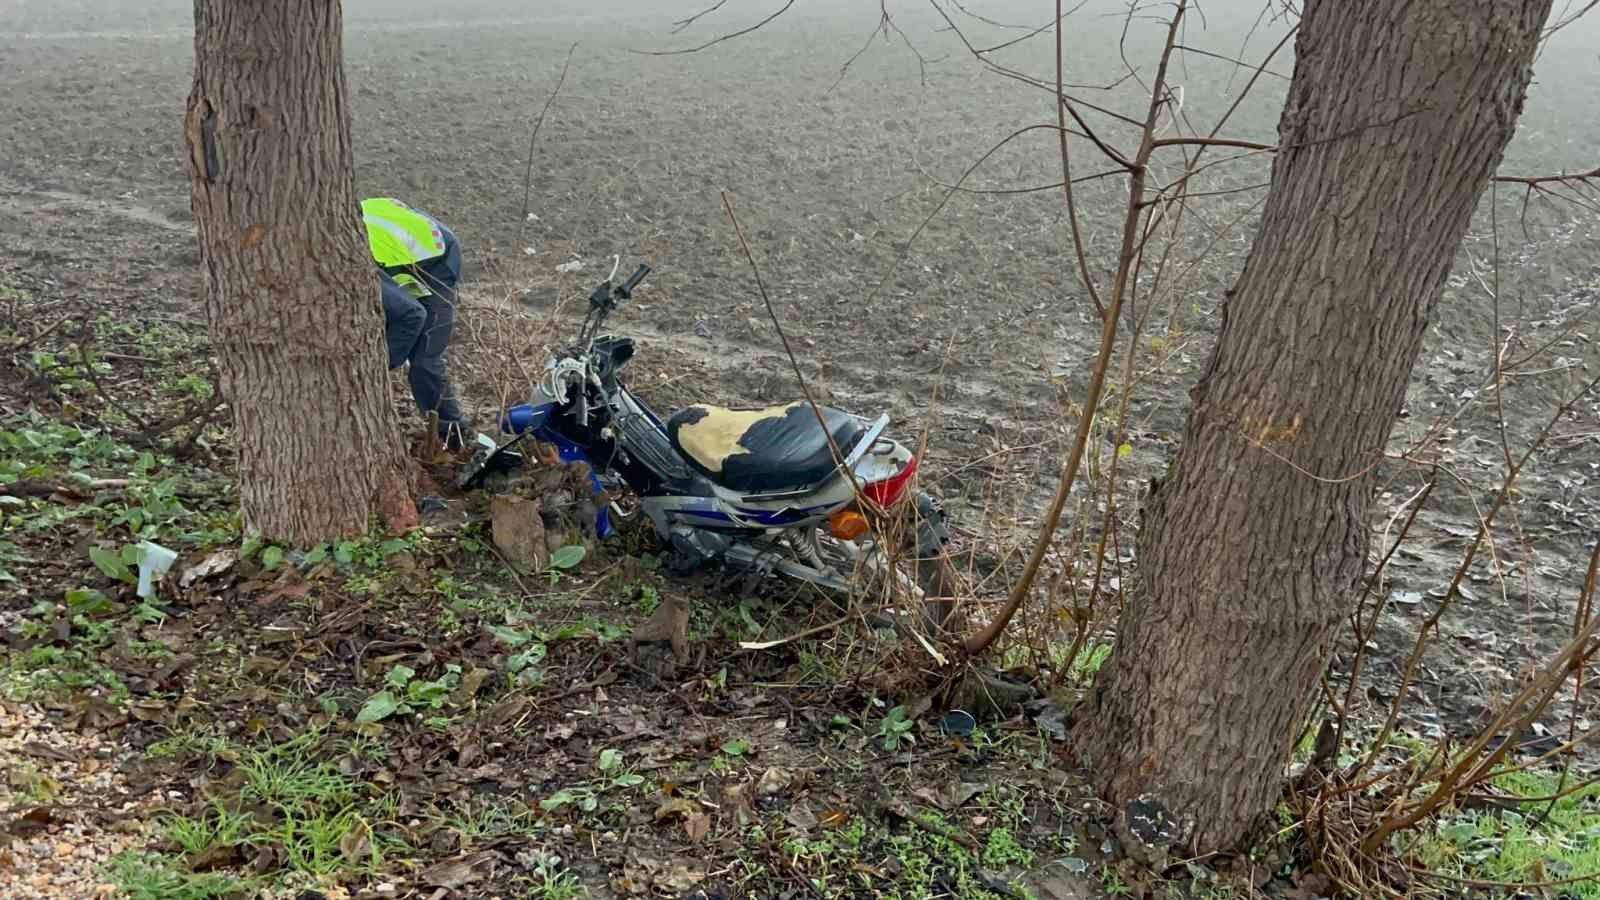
(486, 463)
(933, 529)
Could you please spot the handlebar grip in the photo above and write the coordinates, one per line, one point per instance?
(634, 279)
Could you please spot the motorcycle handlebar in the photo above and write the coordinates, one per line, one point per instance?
(634, 279)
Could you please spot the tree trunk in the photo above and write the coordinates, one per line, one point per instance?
(1254, 542)
(291, 292)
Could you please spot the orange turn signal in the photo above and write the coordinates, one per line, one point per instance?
(847, 524)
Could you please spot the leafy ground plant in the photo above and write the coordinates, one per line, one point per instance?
(1514, 835)
(405, 693)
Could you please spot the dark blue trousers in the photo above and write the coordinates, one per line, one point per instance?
(418, 331)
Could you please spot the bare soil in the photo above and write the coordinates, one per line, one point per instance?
(959, 314)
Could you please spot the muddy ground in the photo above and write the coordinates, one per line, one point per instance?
(961, 315)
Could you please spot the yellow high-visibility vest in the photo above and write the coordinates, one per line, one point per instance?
(400, 235)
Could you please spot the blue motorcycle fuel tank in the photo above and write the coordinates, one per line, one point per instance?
(525, 417)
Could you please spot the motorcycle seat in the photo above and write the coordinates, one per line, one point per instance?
(759, 450)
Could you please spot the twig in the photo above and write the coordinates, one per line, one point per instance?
(1536, 180)
(34, 488)
(1130, 231)
(767, 645)
(145, 428)
(1225, 58)
(988, 21)
(1375, 586)
(681, 24)
(1213, 142)
(509, 567)
(761, 287)
(527, 179)
(1470, 768)
(1568, 20)
(1035, 32)
(1066, 178)
(717, 40)
(25, 343)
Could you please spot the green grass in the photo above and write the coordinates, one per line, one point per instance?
(1521, 844)
(287, 797)
(148, 876)
(931, 860)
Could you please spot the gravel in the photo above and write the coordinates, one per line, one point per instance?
(64, 809)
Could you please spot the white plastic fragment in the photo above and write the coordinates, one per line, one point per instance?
(154, 561)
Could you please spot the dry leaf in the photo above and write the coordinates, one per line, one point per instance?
(801, 816)
(356, 843)
(774, 781)
(695, 825)
(455, 873)
(951, 797)
(677, 806)
(36, 819)
(470, 683)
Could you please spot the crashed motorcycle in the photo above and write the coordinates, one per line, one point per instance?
(809, 492)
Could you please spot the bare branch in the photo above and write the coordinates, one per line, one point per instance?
(1036, 189)
(1565, 20)
(981, 640)
(1062, 109)
(681, 24)
(987, 21)
(717, 40)
(1212, 142)
(845, 69)
(527, 179)
(1037, 31)
(1239, 62)
(943, 201)
(1029, 79)
(1534, 181)
(1066, 105)
(1186, 195)
(744, 245)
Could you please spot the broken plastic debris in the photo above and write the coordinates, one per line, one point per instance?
(958, 722)
(154, 561)
(530, 251)
(573, 266)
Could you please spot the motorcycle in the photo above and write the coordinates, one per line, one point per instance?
(810, 492)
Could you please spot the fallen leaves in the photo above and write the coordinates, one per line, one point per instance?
(34, 820)
(950, 796)
(644, 873)
(774, 781)
(696, 826)
(457, 873)
(356, 844)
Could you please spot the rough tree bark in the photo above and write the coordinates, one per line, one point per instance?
(1252, 545)
(291, 293)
